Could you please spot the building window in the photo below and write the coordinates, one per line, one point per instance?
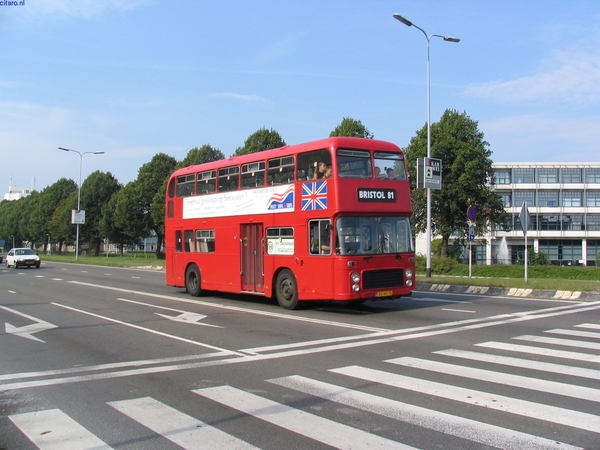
(549, 222)
(570, 175)
(548, 198)
(592, 175)
(593, 252)
(532, 222)
(592, 222)
(501, 177)
(523, 175)
(561, 251)
(505, 199)
(524, 196)
(547, 175)
(592, 198)
(571, 198)
(572, 222)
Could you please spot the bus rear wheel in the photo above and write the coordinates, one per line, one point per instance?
(192, 280)
(286, 290)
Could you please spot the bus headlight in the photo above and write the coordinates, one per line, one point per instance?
(408, 273)
(355, 277)
(355, 287)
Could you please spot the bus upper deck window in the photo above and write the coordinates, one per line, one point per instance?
(389, 166)
(312, 165)
(354, 163)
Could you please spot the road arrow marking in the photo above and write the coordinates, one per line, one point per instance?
(188, 317)
(27, 330)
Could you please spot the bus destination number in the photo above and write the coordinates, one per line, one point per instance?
(376, 195)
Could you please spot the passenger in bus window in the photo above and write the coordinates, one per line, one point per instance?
(319, 170)
(390, 174)
(328, 170)
(378, 173)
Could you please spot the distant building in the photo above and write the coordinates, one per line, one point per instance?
(563, 200)
(17, 192)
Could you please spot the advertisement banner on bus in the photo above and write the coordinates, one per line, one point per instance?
(273, 199)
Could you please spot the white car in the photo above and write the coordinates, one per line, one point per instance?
(22, 257)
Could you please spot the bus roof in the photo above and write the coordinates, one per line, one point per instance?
(338, 141)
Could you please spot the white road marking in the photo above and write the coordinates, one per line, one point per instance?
(183, 430)
(448, 424)
(332, 433)
(27, 331)
(148, 330)
(567, 417)
(54, 430)
(468, 311)
(540, 351)
(579, 372)
(506, 379)
(576, 333)
(558, 341)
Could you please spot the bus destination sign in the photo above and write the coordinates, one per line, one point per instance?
(376, 195)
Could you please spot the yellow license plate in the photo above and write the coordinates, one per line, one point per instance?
(384, 294)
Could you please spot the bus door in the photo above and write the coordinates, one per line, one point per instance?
(252, 259)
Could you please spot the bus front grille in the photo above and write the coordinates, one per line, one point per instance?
(385, 278)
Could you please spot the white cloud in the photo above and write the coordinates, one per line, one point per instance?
(83, 9)
(570, 75)
(254, 98)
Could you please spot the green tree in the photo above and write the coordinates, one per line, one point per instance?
(10, 216)
(135, 212)
(51, 197)
(128, 216)
(113, 224)
(201, 155)
(60, 228)
(260, 140)
(96, 191)
(352, 128)
(466, 171)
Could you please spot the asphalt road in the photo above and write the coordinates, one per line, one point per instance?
(98, 358)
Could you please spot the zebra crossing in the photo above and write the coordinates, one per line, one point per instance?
(487, 364)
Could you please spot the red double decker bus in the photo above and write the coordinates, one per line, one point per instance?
(325, 220)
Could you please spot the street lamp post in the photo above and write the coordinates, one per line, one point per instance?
(408, 23)
(79, 190)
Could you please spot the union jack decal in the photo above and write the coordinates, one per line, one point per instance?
(314, 196)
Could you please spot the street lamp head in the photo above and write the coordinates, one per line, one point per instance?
(451, 39)
(98, 153)
(64, 149)
(406, 22)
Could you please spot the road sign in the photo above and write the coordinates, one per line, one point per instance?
(78, 216)
(471, 233)
(525, 218)
(471, 213)
(429, 173)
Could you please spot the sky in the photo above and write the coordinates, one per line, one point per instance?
(134, 78)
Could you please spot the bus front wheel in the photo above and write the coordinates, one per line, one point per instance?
(192, 281)
(286, 290)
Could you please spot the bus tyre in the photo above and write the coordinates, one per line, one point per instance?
(192, 280)
(286, 290)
